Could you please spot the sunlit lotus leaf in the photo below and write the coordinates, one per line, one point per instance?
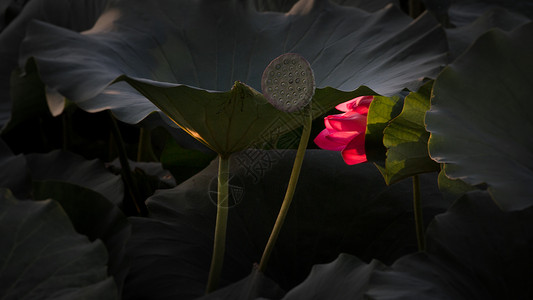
(42, 257)
(76, 15)
(227, 122)
(210, 45)
(480, 117)
(406, 139)
(381, 111)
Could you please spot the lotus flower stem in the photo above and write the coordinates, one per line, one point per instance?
(419, 217)
(290, 189)
(219, 245)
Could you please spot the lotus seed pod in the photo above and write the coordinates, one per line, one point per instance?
(288, 82)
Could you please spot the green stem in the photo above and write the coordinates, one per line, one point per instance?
(419, 217)
(290, 191)
(219, 245)
(126, 170)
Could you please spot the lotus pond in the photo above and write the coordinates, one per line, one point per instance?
(266, 149)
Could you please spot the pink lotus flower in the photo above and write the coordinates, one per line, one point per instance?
(346, 132)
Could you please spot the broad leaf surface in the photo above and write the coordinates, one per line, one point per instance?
(76, 15)
(462, 37)
(480, 117)
(459, 13)
(462, 261)
(345, 278)
(42, 257)
(253, 286)
(337, 208)
(69, 167)
(212, 44)
(232, 121)
(474, 251)
(94, 216)
(406, 139)
(465, 12)
(465, 21)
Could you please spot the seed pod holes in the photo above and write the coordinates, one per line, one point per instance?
(291, 76)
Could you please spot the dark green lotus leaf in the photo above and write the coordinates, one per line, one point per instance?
(459, 13)
(465, 12)
(474, 251)
(345, 278)
(406, 139)
(42, 257)
(467, 20)
(460, 38)
(229, 122)
(480, 117)
(210, 45)
(94, 216)
(14, 175)
(73, 14)
(336, 208)
(69, 167)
